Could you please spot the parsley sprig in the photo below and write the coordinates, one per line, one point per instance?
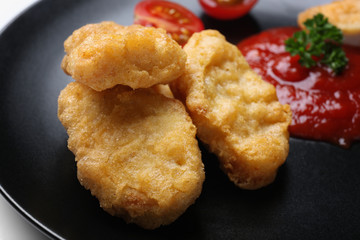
(321, 42)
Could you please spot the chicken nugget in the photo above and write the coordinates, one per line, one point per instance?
(105, 54)
(344, 14)
(135, 150)
(163, 89)
(237, 114)
(79, 35)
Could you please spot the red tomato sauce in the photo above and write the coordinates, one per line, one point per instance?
(324, 106)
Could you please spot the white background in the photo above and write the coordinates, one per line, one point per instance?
(12, 225)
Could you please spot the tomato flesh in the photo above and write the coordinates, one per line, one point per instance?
(178, 21)
(227, 9)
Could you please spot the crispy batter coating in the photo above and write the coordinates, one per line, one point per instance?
(79, 35)
(106, 54)
(237, 113)
(135, 150)
(345, 14)
(163, 89)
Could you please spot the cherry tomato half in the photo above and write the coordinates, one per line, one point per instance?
(178, 21)
(227, 9)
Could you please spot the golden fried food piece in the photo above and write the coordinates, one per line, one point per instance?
(237, 113)
(135, 150)
(163, 89)
(106, 54)
(345, 14)
(79, 35)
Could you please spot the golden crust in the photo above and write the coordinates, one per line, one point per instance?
(79, 35)
(163, 89)
(345, 14)
(135, 150)
(237, 113)
(106, 54)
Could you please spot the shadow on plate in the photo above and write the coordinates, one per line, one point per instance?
(245, 26)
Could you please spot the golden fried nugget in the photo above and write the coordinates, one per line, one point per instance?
(135, 150)
(345, 14)
(105, 54)
(79, 35)
(237, 113)
(163, 89)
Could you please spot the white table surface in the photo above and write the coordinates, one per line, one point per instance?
(12, 225)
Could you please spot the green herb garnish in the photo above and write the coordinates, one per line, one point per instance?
(321, 42)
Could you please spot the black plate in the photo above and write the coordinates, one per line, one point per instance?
(315, 196)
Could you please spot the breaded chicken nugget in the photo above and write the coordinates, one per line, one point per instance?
(79, 35)
(104, 55)
(163, 89)
(135, 150)
(237, 113)
(345, 14)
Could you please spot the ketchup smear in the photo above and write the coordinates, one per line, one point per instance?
(324, 106)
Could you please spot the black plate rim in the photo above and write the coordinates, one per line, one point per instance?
(30, 219)
(16, 17)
